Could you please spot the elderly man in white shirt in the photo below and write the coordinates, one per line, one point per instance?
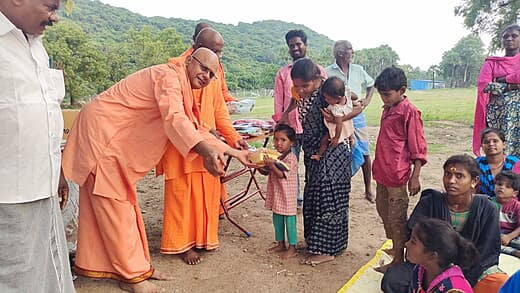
(33, 252)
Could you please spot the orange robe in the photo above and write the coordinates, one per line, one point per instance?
(191, 194)
(116, 140)
(220, 76)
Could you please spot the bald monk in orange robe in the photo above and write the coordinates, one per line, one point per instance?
(116, 140)
(191, 194)
(215, 44)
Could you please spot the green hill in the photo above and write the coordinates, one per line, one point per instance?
(253, 51)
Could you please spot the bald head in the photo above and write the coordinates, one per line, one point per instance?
(198, 28)
(202, 65)
(211, 39)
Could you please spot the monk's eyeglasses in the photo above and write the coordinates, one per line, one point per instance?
(204, 67)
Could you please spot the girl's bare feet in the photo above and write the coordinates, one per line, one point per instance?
(278, 248)
(141, 287)
(191, 257)
(290, 252)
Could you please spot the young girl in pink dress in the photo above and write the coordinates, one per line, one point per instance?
(282, 189)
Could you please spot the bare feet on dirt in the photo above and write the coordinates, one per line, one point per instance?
(315, 259)
(370, 197)
(280, 247)
(141, 287)
(191, 257)
(161, 276)
(290, 252)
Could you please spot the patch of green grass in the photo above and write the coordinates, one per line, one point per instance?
(263, 109)
(435, 148)
(455, 105)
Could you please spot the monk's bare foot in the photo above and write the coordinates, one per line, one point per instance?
(389, 251)
(290, 252)
(370, 197)
(278, 248)
(315, 259)
(191, 257)
(141, 287)
(161, 276)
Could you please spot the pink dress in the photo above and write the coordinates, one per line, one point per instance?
(281, 192)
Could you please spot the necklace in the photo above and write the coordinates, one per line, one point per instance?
(499, 166)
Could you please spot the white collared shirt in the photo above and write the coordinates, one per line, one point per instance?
(31, 123)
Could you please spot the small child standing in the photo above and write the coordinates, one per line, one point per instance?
(282, 188)
(438, 250)
(507, 186)
(400, 145)
(340, 104)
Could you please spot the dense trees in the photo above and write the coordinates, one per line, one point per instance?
(489, 16)
(376, 59)
(91, 65)
(460, 65)
(97, 45)
(251, 54)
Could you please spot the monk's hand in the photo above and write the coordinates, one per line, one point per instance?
(63, 191)
(241, 144)
(214, 132)
(414, 185)
(213, 160)
(242, 156)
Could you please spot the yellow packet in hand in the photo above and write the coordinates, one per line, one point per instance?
(257, 158)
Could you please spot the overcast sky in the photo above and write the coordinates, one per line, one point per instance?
(418, 30)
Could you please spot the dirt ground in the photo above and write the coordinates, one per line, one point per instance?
(241, 264)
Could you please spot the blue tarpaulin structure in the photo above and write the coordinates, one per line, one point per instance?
(426, 84)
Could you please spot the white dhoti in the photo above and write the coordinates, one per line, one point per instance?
(33, 249)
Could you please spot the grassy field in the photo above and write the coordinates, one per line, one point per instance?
(456, 105)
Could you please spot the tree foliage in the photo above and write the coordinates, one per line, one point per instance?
(490, 16)
(374, 60)
(98, 45)
(84, 66)
(251, 52)
(461, 64)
